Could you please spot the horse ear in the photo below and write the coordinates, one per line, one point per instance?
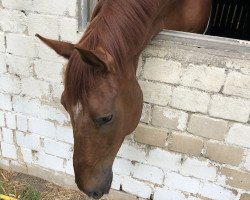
(91, 57)
(62, 48)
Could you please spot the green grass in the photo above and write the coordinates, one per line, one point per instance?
(30, 194)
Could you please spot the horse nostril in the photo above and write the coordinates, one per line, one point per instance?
(95, 195)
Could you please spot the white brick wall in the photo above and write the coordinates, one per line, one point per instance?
(201, 93)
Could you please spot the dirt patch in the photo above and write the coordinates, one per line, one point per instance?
(16, 183)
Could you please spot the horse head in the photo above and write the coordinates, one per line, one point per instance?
(104, 106)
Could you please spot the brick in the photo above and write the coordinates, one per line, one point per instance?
(22, 123)
(2, 42)
(207, 127)
(9, 83)
(35, 88)
(167, 71)
(148, 173)
(28, 141)
(164, 159)
(4, 164)
(229, 108)
(45, 25)
(203, 77)
(57, 90)
(190, 100)
(186, 144)
(10, 120)
(245, 197)
(3, 68)
(8, 151)
(149, 135)
(20, 45)
(18, 167)
(199, 169)
(169, 118)
(156, 93)
(13, 21)
(239, 134)
(27, 155)
(146, 113)
(7, 136)
(247, 162)
(2, 119)
(18, 5)
(236, 178)
(19, 66)
(224, 153)
(132, 152)
(5, 102)
(53, 7)
(162, 193)
(64, 134)
(53, 113)
(122, 167)
(237, 84)
(49, 71)
(182, 183)
(49, 162)
(59, 149)
(216, 192)
(42, 127)
(118, 195)
(68, 29)
(69, 169)
(137, 188)
(116, 183)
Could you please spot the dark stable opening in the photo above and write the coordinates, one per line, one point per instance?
(230, 18)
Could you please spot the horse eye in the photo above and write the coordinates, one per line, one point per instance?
(103, 120)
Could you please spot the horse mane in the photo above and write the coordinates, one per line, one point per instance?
(118, 27)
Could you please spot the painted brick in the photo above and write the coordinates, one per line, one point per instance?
(19, 66)
(156, 93)
(22, 123)
(49, 71)
(27, 155)
(203, 77)
(122, 167)
(224, 153)
(53, 113)
(199, 169)
(49, 162)
(28, 141)
(190, 100)
(10, 120)
(68, 29)
(20, 45)
(167, 194)
(247, 163)
(116, 183)
(237, 178)
(69, 169)
(9, 83)
(132, 152)
(41, 127)
(164, 159)
(245, 197)
(5, 102)
(150, 135)
(230, 108)
(57, 90)
(2, 119)
(239, 134)
(13, 21)
(4, 164)
(59, 149)
(237, 84)
(167, 71)
(148, 173)
(46, 25)
(7, 136)
(18, 4)
(34, 88)
(64, 134)
(146, 113)
(182, 183)
(216, 192)
(137, 188)
(169, 118)
(207, 127)
(2, 42)
(183, 143)
(8, 150)
(3, 68)
(53, 7)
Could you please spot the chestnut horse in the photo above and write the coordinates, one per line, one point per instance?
(101, 93)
